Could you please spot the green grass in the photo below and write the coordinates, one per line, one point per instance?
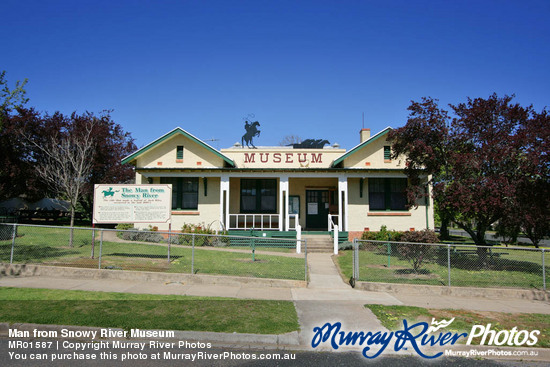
(392, 317)
(517, 269)
(50, 246)
(145, 311)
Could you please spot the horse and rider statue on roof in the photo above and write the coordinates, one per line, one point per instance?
(251, 132)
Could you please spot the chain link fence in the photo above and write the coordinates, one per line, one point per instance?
(450, 264)
(258, 257)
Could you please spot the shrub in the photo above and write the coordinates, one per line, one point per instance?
(123, 227)
(200, 228)
(425, 236)
(416, 255)
(145, 236)
(345, 246)
(207, 237)
(382, 235)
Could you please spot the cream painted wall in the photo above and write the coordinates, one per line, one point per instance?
(360, 217)
(372, 156)
(165, 153)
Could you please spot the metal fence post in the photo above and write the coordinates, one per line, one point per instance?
(356, 253)
(298, 239)
(305, 258)
(353, 260)
(13, 235)
(253, 249)
(169, 240)
(192, 253)
(93, 242)
(543, 272)
(100, 248)
(449, 264)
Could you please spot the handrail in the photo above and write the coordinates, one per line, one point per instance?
(334, 228)
(254, 221)
(331, 223)
(261, 221)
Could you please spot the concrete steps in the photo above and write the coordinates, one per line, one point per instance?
(319, 243)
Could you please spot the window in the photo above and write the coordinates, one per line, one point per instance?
(258, 196)
(185, 192)
(179, 152)
(387, 153)
(387, 193)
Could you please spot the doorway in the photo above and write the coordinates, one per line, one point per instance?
(317, 209)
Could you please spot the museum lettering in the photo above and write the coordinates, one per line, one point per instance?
(283, 157)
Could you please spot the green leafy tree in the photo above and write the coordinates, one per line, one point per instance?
(11, 98)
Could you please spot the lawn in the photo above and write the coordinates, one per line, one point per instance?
(146, 311)
(392, 317)
(507, 268)
(50, 246)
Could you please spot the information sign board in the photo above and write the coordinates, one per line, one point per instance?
(132, 203)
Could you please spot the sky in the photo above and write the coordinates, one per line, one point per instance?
(304, 68)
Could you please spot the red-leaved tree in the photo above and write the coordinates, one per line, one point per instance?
(51, 143)
(483, 161)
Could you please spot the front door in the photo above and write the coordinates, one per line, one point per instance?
(317, 208)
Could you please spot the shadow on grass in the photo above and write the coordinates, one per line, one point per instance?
(412, 272)
(472, 263)
(147, 256)
(33, 252)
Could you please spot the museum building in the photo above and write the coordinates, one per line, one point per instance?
(278, 191)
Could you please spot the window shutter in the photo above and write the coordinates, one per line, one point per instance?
(387, 152)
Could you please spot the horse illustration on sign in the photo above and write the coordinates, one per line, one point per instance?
(251, 132)
(109, 192)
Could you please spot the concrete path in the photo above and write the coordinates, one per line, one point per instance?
(328, 299)
(275, 293)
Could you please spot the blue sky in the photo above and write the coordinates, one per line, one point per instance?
(306, 68)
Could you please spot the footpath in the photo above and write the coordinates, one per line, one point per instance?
(326, 299)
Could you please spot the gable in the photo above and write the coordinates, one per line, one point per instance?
(370, 154)
(163, 152)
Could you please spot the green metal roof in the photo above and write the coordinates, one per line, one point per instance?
(360, 146)
(177, 130)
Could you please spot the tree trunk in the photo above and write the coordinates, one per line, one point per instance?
(533, 237)
(478, 236)
(481, 251)
(444, 230)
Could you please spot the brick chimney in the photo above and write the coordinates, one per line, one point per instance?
(365, 134)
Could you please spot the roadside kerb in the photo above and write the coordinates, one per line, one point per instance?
(433, 290)
(27, 270)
